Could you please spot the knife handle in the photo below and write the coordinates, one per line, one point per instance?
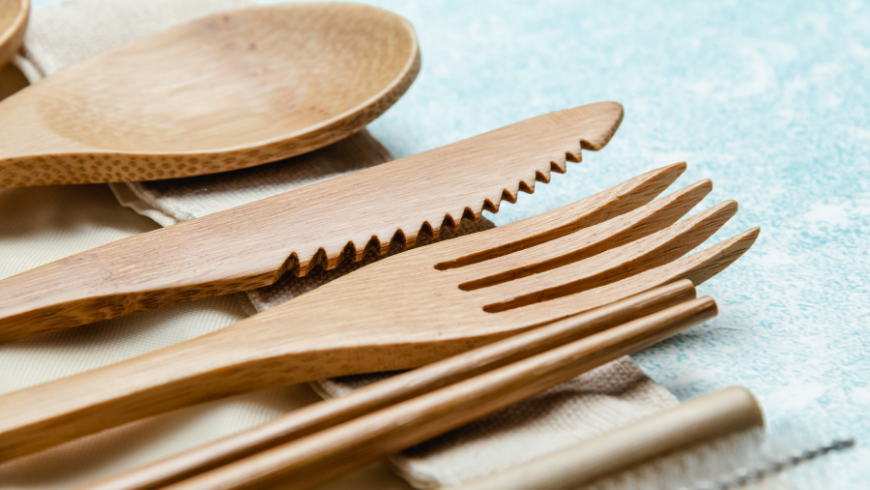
(158, 268)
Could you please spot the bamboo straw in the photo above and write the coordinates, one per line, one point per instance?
(728, 411)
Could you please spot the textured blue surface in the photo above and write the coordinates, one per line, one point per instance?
(769, 100)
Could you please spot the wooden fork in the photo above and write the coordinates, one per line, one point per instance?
(307, 462)
(399, 388)
(399, 313)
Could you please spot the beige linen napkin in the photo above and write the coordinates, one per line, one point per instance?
(604, 399)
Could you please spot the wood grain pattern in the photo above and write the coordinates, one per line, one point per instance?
(250, 246)
(330, 453)
(697, 421)
(398, 313)
(396, 389)
(227, 91)
(13, 22)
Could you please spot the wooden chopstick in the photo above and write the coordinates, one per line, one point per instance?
(728, 411)
(319, 457)
(397, 389)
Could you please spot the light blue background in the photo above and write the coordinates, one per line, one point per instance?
(770, 101)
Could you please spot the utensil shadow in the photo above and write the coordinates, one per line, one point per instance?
(48, 210)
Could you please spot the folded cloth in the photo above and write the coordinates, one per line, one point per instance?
(608, 397)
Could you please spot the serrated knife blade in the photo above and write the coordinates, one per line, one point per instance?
(251, 246)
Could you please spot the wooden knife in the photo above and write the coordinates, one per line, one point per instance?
(251, 246)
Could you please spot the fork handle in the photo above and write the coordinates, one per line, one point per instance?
(311, 461)
(394, 390)
(239, 359)
(62, 410)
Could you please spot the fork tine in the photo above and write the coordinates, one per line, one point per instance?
(659, 248)
(595, 209)
(584, 244)
(698, 268)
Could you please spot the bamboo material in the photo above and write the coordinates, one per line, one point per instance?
(223, 92)
(13, 23)
(251, 246)
(396, 389)
(328, 454)
(703, 419)
(399, 313)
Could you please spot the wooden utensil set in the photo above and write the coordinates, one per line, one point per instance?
(486, 319)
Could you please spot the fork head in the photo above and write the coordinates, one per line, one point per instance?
(471, 290)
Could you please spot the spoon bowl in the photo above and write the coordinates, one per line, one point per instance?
(224, 92)
(13, 21)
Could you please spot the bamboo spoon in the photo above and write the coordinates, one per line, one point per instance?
(13, 22)
(397, 389)
(227, 91)
(402, 312)
(725, 412)
(251, 246)
(328, 454)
